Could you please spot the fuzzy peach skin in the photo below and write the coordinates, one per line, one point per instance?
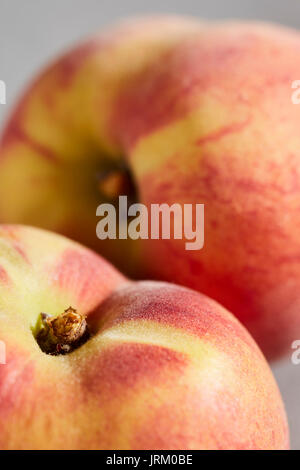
(165, 367)
(200, 113)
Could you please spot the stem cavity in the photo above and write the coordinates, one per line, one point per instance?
(61, 334)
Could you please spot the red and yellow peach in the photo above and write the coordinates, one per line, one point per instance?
(199, 113)
(164, 367)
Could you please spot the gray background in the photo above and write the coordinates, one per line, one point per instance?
(33, 31)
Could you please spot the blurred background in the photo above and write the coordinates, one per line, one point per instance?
(32, 32)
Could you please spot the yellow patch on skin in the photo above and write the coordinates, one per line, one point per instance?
(30, 292)
(180, 137)
(156, 334)
(71, 119)
(202, 353)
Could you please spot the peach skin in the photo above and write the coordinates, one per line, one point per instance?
(95, 361)
(172, 110)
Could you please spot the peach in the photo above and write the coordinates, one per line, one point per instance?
(172, 110)
(162, 367)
